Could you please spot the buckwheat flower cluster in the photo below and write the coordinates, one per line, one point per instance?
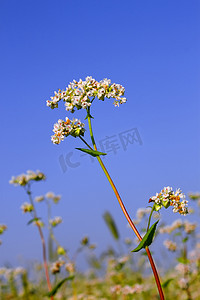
(78, 94)
(70, 267)
(55, 198)
(23, 179)
(170, 228)
(189, 227)
(64, 128)
(39, 198)
(55, 268)
(127, 289)
(182, 268)
(171, 246)
(142, 212)
(2, 228)
(27, 207)
(54, 222)
(167, 197)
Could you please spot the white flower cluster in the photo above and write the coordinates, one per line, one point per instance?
(23, 179)
(170, 228)
(170, 245)
(55, 267)
(2, 228)
(39, 199)
(142, 212)
(78, 93)
(27, 207)
(127, 289)
(8, 272)
(54, 222)
(185, 225)
(64, 128)
(55, 198)
(167, 197)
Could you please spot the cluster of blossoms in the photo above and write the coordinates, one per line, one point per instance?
(142, 212)
(167, 197)
(2, 228)
(185, 225)
(54, 222)
(55, 268)
(39, 199)
(70, 267)
(8, 272)
(182, 268)
(171, 246)
(78, 94)
(127, 289)
(49, 195)
(23, 179)
(27, 207)
(183, 283)
(68, 127)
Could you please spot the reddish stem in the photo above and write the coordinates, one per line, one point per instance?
(157, 279)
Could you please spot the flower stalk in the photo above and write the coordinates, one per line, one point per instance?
(157, 279)
(28, 191)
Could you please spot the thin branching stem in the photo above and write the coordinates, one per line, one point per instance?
(157, 279)
(43, 242)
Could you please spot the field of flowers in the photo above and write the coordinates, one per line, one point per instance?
(117, 273)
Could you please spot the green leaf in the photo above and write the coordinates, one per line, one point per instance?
(185, 240)
(60, 283)
(167, 282)
(111, 225)
(91, 152)
(33, 220)
(183, 260)
(147, 239)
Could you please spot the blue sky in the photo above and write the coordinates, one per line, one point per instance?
(152, 49)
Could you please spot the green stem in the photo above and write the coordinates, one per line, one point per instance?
(157, 279)
(43, 242)
(149, 222)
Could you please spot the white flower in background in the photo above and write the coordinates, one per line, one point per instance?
(23, 179)
(141, 212)
(39, 198)
(171, 246)
(55, 267)
(27, 207)
(189, 227)
(183, 283)
(2, 228)
(51, 195)
(182, 268)
(54, 222)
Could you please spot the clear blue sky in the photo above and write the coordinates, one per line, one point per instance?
(152, 49)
